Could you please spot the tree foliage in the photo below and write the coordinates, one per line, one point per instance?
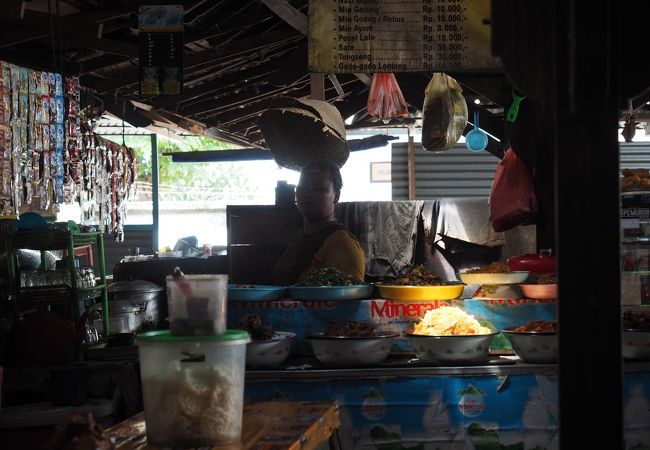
(187, 181)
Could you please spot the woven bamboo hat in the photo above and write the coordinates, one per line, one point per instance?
(298, 131)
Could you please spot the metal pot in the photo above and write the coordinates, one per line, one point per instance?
(121, 318)
(149, 297)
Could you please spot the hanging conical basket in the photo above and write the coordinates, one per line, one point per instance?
(298, 131)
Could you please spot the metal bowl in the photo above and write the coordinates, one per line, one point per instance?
(541, 291)
(351, 351)
(636, 344)
(465, 349)
(419, 293)
(269, 352)
(494, 278)
(534, 346)
(353, 292)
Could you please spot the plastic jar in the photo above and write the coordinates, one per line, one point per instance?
(193, 387)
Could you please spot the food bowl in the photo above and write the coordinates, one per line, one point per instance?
(269, 352)
(420, 293)
(351, 351)
(534, 263)
(350, 292)
(254, 292)
(534, 346)
(494, 278)
(636, 344)
(541, 291)
(462, 349)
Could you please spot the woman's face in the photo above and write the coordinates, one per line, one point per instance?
(315, 195)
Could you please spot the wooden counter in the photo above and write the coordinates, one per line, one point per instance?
(267, 425)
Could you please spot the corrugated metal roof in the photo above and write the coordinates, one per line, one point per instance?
(634, 155)
(456, 172)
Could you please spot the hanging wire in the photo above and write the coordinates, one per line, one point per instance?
(123, 114)
(60, 32)
(49, 13)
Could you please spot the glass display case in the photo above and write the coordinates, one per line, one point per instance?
(635, 248)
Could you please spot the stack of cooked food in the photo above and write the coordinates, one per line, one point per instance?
(350, 328)
(328, 276)
(538, 326)
(493, 267)
(258, 330)
(635, 180)
(418, 276)
(449, 321)
(547, 278)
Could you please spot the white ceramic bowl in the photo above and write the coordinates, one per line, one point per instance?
(466, 349)
(542, 291)
(269, 352)
(534, 346)
(351, 351)
(636, 344)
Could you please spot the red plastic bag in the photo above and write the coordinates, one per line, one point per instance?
(386, 100)
(512, 200)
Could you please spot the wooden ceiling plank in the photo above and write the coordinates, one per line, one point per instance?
(242, 99)
(12, 9)
(217, 133)
(242, 127)
(191, 61)
(109, 46)
(22, 35)
(252, 110)
(101, 62)
(299, 21)
(228, 82)
(83, 23)
(289, 14)
(254, 85)
(38, 61)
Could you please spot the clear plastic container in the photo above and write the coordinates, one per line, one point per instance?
(197, 304)
(193, 388)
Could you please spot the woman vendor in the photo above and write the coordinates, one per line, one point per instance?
(323, 240)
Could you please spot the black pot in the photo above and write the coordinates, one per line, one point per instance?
(148, 296)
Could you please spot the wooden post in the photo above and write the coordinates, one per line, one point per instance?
(411, 163)
(317, 86)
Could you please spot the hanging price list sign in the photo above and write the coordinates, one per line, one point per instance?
(348, 36)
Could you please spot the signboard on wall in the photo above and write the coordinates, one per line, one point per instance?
(161, 49)
(348, 36)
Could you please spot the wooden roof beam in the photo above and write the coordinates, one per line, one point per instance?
(294, 90)
(196, 60)
(217, 133)
(195, 94)
(38, 60)
(240, 101)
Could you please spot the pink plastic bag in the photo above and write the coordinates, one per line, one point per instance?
(512, 200)
(386, 100)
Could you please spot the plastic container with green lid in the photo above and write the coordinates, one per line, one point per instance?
(193, 387)
(165, 337)
(197, 304)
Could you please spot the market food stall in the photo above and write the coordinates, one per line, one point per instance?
(577, 77)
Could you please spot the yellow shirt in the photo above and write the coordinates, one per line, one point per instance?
(342, 251)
